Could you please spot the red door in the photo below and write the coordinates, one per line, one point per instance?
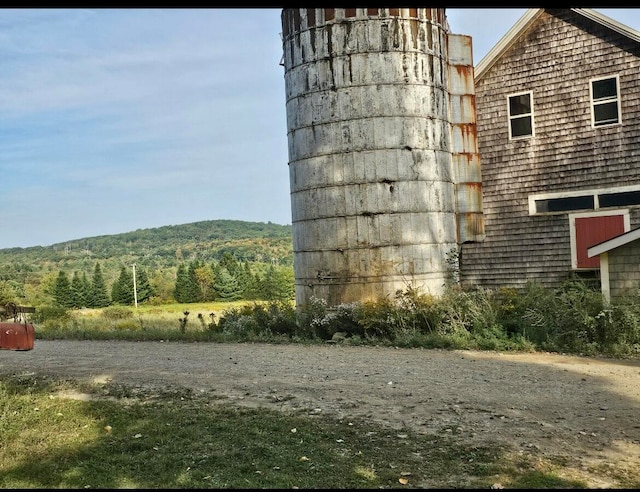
(593, 230)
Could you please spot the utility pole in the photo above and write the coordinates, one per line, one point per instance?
(135, 290)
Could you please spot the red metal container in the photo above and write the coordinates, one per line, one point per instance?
(16, 336)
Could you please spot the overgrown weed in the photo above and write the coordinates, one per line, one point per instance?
(572, 318)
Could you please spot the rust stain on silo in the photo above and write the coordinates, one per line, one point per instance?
(469, 130)
(469, 156)
(470, 227)
(469, 218)
(464, 71)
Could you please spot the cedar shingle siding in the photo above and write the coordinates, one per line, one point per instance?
(624, 270)
(555, 58)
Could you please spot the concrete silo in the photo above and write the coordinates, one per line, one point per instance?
(383, 163)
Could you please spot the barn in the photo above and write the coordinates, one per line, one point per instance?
(558, 122)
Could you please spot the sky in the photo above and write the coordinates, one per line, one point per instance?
(113, 120)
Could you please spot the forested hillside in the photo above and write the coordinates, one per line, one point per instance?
(157, 253)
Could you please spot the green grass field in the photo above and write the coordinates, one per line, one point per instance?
(189, 322)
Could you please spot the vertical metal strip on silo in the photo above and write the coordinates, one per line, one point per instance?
(464, 140)
(372, 191)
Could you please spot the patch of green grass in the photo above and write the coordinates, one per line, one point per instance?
(546, 472)
(59, 434)
(545, 480)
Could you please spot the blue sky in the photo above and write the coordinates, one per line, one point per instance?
(113, 120)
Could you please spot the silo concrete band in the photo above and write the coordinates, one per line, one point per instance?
(372, 179)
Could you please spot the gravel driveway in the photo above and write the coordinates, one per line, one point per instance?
(536, 402)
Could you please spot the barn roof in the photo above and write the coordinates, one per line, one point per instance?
(613, 243)
(525, 22)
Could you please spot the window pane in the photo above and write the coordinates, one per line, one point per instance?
(606, 113)
(564, 204)
(519, 104)
(521, 126)
(619, 199)
(604, 88)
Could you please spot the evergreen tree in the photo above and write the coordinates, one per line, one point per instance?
(78, 292)
(62, 290)
(230, 263)
(180, 292)
(243, 277)
(227, 287)
(86, 289)
(99, 296)
(216, 269)
(278, 284)
(122, 288)
(194, 294)
(143, 286)
(251, 281)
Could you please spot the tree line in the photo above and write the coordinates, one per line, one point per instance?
(195, 281)
(231, 280)
(204, 239)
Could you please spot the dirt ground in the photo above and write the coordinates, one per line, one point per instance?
(545, 404)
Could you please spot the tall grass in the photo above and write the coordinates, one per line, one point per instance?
(572, 318)
(187, 322)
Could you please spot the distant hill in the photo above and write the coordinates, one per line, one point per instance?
(154, 248)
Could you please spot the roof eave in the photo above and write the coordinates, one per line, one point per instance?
(505, 42)
(525, 21)
(613, 243)
(610, 23)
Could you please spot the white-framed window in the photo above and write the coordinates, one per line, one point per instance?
(520, 110)
(605, 101)
(593, 199)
